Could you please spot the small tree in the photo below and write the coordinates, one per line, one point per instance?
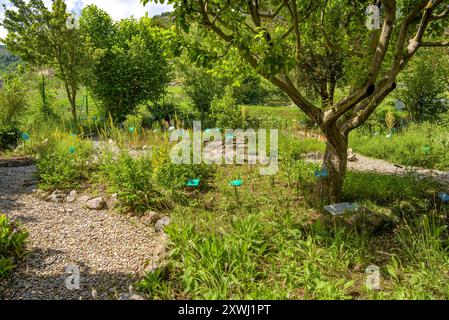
(127, 59)
(284, 38)
(423, 87)
(42, 38)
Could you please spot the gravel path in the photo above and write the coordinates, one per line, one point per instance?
(376, 165)
(110, 250)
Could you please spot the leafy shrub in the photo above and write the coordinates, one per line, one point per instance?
(9, 136)
(128, 63)
(202, 87)
(226, 113)
(65, 162)
(132, 180)
(174, 176)
(12, 242)
(423, 87)
(13, 99)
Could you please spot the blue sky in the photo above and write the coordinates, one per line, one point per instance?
(118, 9)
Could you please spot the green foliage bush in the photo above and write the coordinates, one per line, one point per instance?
(12, 244)
(132, 179)
(226, 113)
(128, 64)
(9, 136)
(423, 86)
(13, 98)
(65, 162)
(175, 176)
(202, 87)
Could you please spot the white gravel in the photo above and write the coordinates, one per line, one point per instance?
(380, 166)
(110, 250)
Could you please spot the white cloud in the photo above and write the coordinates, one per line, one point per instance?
(118, 9)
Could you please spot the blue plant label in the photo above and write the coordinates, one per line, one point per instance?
(236, 183)
(132, 129)
(193, 183)
(25, 136)
(72, 150)
(444, 196)
(323, 173)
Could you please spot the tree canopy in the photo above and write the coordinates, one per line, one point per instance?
(128, 64)
(321, 45)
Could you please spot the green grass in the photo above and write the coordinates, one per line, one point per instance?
(424, 145)
(263, 240)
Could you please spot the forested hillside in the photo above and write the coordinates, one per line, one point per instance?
(8, 61)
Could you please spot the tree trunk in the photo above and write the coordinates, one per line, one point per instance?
(71, 95)
(329, 188)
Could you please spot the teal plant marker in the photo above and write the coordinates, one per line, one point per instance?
(444, 196)
(131, 130)
(323, 173)
(194, 183)
(236, 184)
(25, 136)
(73, 135)
(72, 150)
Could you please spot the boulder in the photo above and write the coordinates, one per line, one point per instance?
(150, 218)
(71, 197)
(161, 224)
(95, 203)
(56, 196)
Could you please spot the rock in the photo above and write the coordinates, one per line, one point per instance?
(365, 221)
(95, 203)
(113, 201)
(56, 196)
(150, 218)
(161, 224)
(352, 156)
(41, 194)
(314, 156)
(72, 196)
(130, 295)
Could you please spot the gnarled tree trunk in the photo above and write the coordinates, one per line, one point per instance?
(328, 189)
